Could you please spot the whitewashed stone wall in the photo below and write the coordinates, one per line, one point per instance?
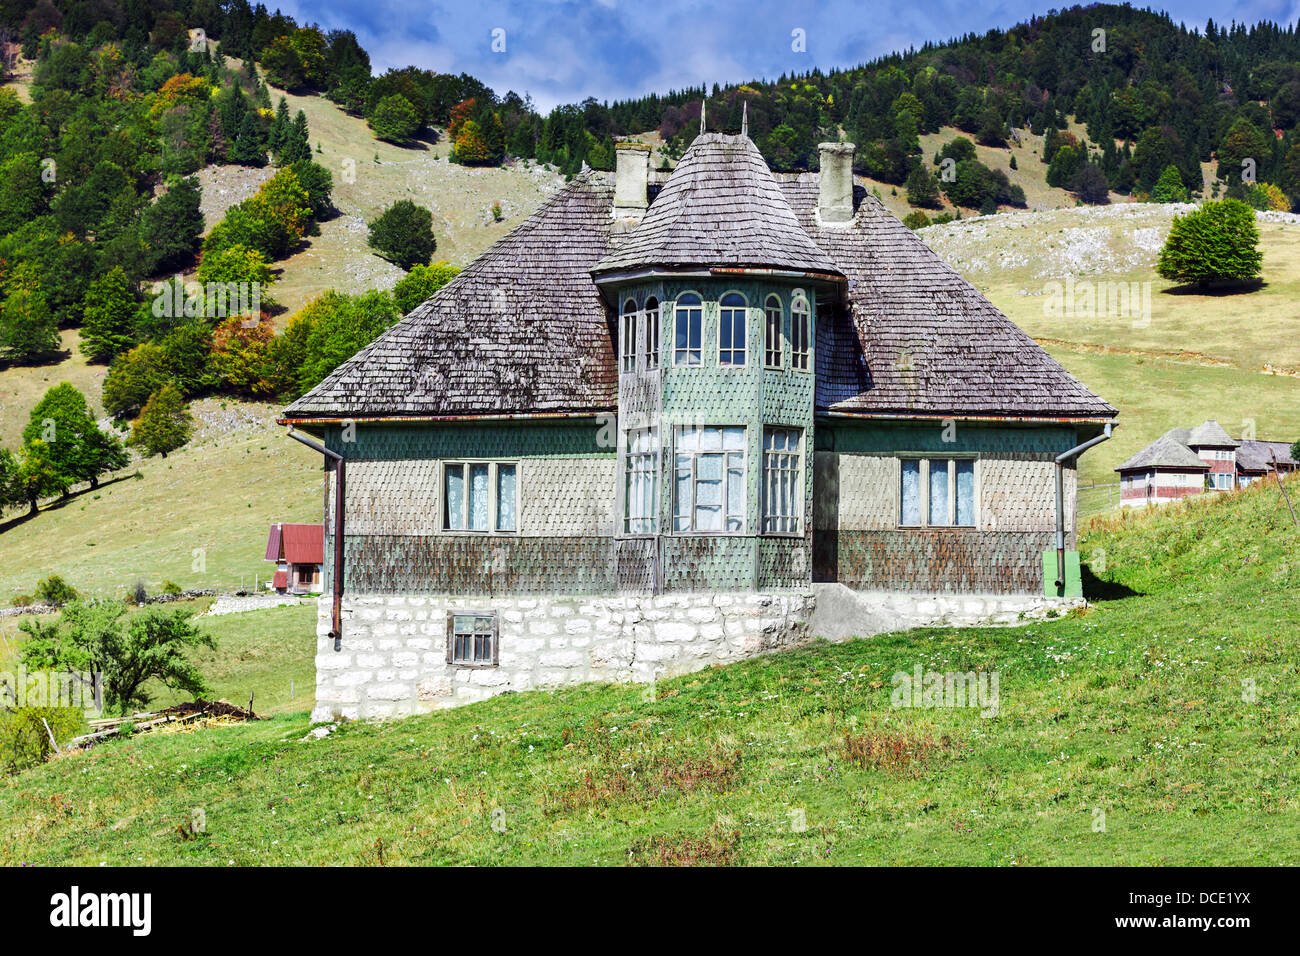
(394, 653)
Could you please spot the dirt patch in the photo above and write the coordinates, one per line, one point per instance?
(209, 708)
(898, 753)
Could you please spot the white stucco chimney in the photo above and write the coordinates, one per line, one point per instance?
(835, 194)
(631, 177)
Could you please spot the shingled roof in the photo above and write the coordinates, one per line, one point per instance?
(720, 208)
(1168, 451)
(523, 330)
(1210, 433)
(1257, 455)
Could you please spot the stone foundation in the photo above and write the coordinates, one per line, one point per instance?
(394, 654)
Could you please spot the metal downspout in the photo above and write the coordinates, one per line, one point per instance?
(336, 579)
(1061, 459)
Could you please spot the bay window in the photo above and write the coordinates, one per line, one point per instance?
(709, 479)
(641, 482)
(782, 481)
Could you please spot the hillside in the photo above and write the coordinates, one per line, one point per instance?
(1231, 357)
(1122, 737)
(216, 496)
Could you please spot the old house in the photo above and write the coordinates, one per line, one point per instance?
(1188, 461)
(298, 553)
(666, 422)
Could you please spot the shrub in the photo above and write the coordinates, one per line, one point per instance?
(164, 423)
(1216, 243)
(394, 119)
(171, 589)
(403, 234)
(24, 741)
(129, 651)
(1169, 187)
(916, 220)
(55, 591)
(420, 283)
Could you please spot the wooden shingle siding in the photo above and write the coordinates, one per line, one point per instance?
(934, 560)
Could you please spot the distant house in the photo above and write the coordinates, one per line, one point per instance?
(1188, 461)
(298, 552)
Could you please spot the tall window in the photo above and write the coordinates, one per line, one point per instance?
(627, 337)
(937, 492)
(689, 336)
(709, 479)
(800, 329)
(782, 481)
(772, 333)
(651, 333)
(731, 330)
(641, 482)
(479, 496)
(472, 639)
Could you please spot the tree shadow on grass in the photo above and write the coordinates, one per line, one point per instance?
(1216, 289)
(1099, 589)
(63, 502)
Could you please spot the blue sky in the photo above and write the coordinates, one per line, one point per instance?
(562, 51)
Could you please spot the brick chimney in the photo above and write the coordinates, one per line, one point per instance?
(835, 194)
(631, 177)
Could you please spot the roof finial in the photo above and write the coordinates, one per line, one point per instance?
(702, 104)
(744, 118)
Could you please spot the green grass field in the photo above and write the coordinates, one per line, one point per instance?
(198, 517)
(1158, 728)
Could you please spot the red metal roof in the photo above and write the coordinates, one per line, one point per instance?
(303, 543)
(273, 544)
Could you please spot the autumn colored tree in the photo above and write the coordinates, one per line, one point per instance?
(239, 357)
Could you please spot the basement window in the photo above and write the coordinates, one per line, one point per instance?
(480, 496)
(937, 492)
(472, 639)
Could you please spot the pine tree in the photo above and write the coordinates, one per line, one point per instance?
(1169, 188)
(164, 423)
(279, 128)
(248, 149)
(108, 316)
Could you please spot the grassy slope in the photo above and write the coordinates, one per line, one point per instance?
(269, 654)
(1200, 356)
(1134, 709)
(220, 494)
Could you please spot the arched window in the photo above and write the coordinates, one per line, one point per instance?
(772, 333)
(731, 330)
(651, 333)
(627, 337)
(689, 331)
(800, 333)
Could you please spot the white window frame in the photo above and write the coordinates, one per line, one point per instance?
(678, 352)
(643, 461)
(801, 346)
(651, 333)
(679, 431)
(773, 332)
(627, 338)
(493, 466)
(923, 492)
(779, 462)
(493, 634)
(727, 316)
